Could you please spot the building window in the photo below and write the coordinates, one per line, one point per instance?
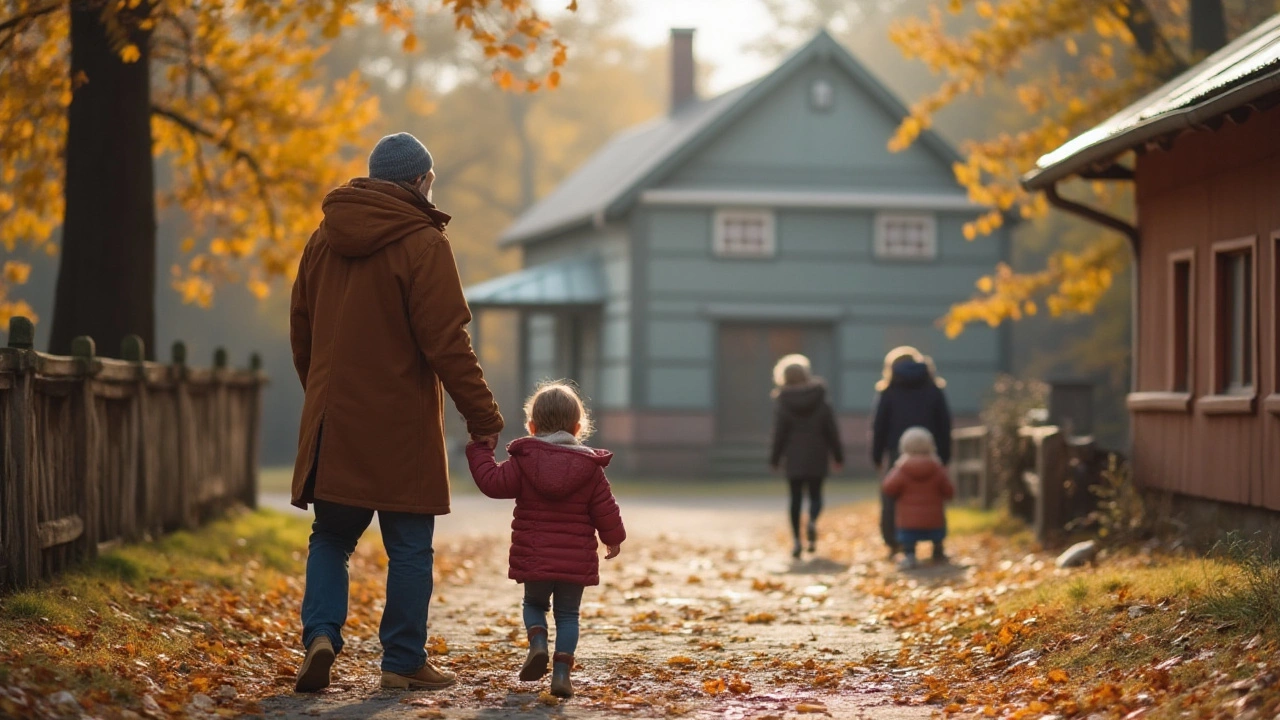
(1182, 319)
(906, 237)
(1275, 320)
(1235, 317)
(822, 95)
(744, 234)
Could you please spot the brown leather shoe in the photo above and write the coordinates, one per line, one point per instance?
(314, 673)
(427, 678)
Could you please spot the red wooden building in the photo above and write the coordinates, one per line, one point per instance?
(1204, 154)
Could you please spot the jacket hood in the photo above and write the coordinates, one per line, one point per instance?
(919, 468)
(554, 467)
(804, 399)
(910, 374)
(366, 215)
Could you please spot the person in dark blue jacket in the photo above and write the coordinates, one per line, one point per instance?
(913, 397)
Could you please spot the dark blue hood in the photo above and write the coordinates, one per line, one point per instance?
(910, 374)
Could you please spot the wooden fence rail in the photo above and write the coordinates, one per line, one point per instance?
(1051, 476)
(95, 452)
(970, 465)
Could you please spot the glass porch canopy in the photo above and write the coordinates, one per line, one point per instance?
(576, 282)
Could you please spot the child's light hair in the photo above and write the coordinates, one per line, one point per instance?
(792, 369)
(902, 353)
(917, 441)
(556, 406)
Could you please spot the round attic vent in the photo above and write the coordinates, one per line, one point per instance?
(822, 95)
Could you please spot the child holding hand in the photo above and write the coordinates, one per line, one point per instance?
(563, 500)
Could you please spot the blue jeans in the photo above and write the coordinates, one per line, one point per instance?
(909, 538)
(537, 600)
(407, 537)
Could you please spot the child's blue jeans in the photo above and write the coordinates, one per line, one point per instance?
(568, 597)
(909, 538)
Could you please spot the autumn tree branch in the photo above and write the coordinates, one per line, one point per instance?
(1150, 39)
(32, 14)
(260, 176)
(14, 25)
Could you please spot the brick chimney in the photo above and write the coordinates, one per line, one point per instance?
(682, 68)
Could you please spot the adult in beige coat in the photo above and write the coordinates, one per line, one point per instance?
(378, 329)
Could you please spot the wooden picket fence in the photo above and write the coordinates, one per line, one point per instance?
(1050, 477)
(95, 452)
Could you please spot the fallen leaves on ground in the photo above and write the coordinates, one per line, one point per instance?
(1003, 633)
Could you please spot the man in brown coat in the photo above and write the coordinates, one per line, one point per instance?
(378, 329)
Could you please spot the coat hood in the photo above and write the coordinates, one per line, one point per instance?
(554, 467)
(366, 215)
(919, 467)
(802, 400)
(910, 374)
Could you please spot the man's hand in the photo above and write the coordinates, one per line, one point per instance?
(880, 467)
(775, 469)
(613, 551)
(838, 467)
(489, 440)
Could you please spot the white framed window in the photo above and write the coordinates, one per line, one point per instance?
(744, 234)
(906, 236)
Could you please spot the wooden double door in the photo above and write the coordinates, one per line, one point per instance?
(746, 354)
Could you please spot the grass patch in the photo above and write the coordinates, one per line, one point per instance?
(140, 617)
(968, 520)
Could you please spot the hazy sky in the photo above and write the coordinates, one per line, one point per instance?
(724, 27)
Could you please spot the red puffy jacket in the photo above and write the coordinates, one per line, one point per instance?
(562, 500)
(921, 486)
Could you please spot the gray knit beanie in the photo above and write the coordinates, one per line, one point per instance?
(399, 157)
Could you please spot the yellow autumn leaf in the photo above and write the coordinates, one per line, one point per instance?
(130, 53)
(16, 272)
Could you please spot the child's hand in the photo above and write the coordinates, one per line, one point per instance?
(839, 467)
(613, 551)
(490, 441)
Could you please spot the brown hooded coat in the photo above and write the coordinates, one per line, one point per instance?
(378, 328)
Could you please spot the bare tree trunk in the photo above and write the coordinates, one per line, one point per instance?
(106, 275)
(518, 105)
(1208, 27)
(1149, 39)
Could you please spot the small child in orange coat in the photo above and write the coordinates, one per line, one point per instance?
(920, 483)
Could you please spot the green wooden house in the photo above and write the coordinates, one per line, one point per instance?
(670, 272)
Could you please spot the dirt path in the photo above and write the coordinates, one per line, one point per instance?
(703, 615)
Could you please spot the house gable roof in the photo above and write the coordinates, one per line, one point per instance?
(611, 181)
(1242, 72)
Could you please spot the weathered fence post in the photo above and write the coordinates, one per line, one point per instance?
(187, 440)
(226, 472)
(146, 501)
(84, 352)
(253, 449)
(19, 536)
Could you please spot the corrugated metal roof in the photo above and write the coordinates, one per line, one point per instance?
(576, 281)
(1244, 70)
(617, 166)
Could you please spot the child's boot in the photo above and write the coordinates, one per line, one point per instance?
(908, 562)
(939, 555)
(561, 685)
(535, 665)
(796, 547)
(813, 535)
